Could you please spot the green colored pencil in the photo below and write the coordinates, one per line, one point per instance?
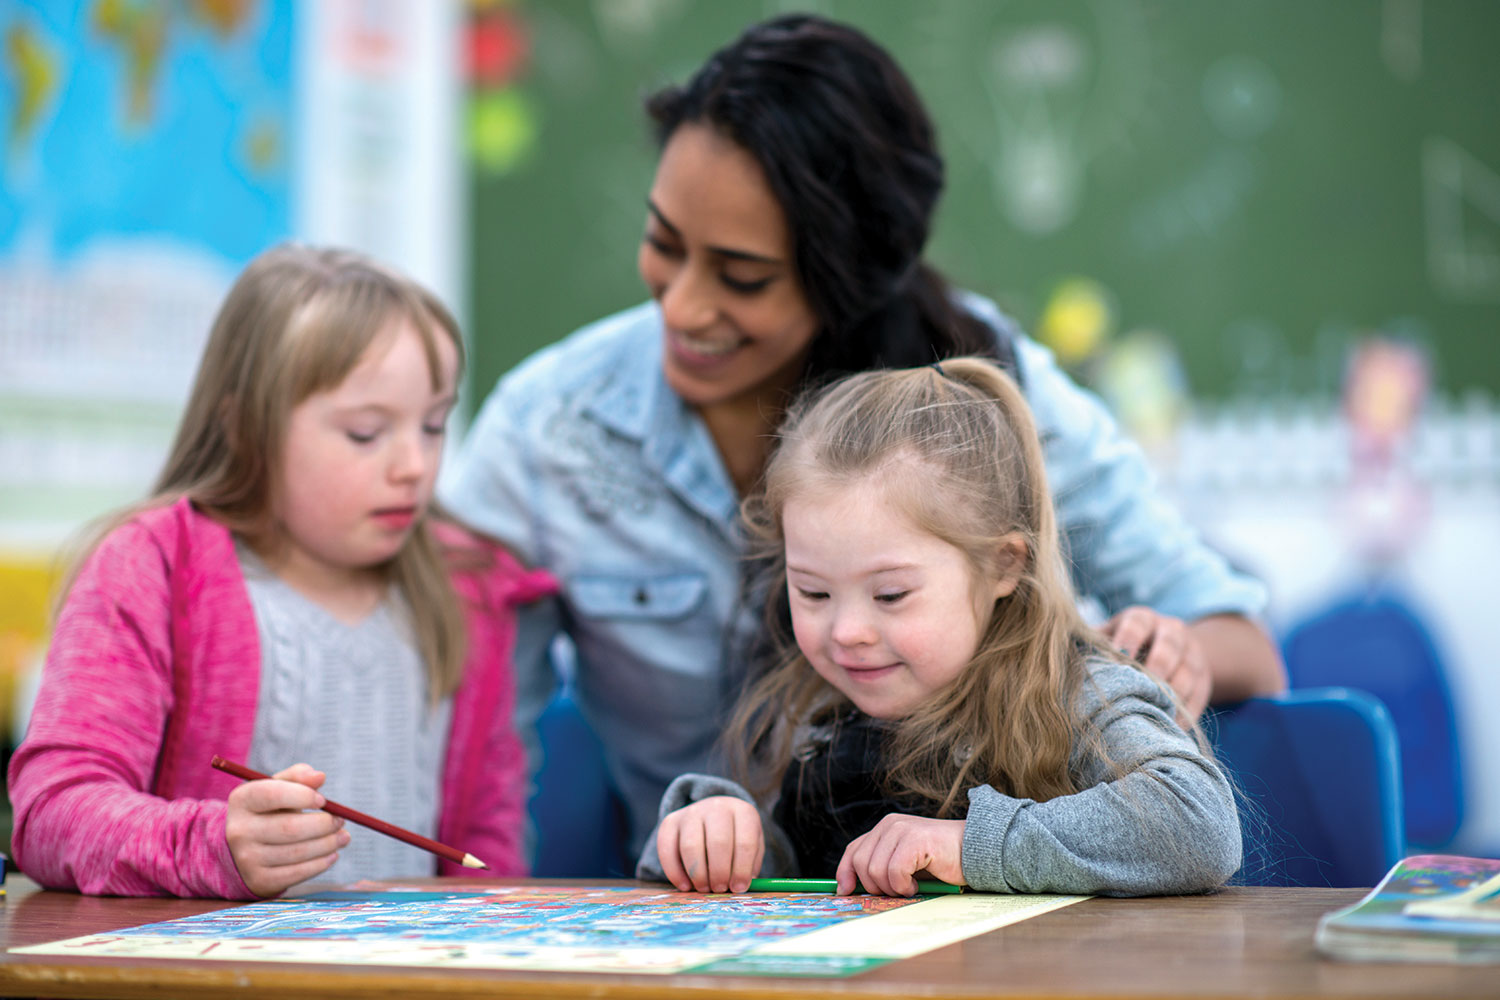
(924, 887)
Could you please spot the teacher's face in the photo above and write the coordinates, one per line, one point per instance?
(717, 256)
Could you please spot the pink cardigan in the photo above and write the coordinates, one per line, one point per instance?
(154, 667)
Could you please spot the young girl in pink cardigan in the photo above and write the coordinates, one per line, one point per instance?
(286, 594)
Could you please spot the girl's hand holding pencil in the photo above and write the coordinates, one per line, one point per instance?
(287, 845)
(277, 833)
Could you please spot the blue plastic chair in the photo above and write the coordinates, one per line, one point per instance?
(578, 818)
(1319, 779)
(1376, 643)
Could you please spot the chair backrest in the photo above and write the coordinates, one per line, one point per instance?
(1319, 778)
(577, 817)
(1376, 643)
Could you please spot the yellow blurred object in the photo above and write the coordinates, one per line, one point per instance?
(263, 146)
(26, 584)
(141, 32)
(35, 70)
(1077, 321)
(1142, 380)
(502, 130)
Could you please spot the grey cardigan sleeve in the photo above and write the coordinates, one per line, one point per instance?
(685, 789)
(1165, 823)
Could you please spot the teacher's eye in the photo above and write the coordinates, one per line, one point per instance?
(435, 430)
(660, 245)
(744, 287)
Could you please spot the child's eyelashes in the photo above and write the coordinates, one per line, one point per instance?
(369, 437)
(893, 597)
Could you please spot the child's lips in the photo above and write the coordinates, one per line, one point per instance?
(867, 671)
(395, 517)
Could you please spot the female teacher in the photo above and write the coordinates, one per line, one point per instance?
(783, 245)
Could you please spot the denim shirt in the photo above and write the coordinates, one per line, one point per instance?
(585, 463)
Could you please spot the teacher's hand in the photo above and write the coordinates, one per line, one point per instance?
(1168, 650)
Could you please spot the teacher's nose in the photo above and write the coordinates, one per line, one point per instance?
(687, 301)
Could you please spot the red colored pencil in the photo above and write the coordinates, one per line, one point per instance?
(363, 819)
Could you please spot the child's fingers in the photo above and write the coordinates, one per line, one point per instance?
(274, 881)
(734, 844)
(669, 852)
(292, 828)
(874, 867)
(266, 854)
(285, 827)
(732, 829)
(851, 864)
(275, 794)
(302, 774)
(757, 858)
(690, 847)
(888, 859)
(900, 871)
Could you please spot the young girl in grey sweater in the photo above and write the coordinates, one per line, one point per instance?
(936, 705)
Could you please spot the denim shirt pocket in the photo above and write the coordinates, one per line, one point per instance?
(625, 596)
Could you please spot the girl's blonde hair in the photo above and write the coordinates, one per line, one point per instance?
(296, 322)
(956, 449)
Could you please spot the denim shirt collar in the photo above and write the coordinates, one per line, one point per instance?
(638, 404)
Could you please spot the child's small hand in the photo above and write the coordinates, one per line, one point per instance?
(713, 845)
(887, 859)
(274, 842)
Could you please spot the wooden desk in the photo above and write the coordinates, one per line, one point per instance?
(1238, 943)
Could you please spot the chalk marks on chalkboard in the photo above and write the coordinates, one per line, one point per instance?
(1198, 204)
(1401, 38)
(1062, 92)
(1242, 96)
(630, 25)
(1461, 207)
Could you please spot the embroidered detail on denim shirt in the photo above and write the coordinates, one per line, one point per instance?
(608, 477)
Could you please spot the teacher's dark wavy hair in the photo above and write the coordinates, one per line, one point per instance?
(851, 155)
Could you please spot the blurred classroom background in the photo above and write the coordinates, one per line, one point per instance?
(1267, 233)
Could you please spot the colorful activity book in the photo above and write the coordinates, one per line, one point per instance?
(1429, 908)
(573, 929)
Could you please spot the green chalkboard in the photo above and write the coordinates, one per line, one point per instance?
(1260, 181)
